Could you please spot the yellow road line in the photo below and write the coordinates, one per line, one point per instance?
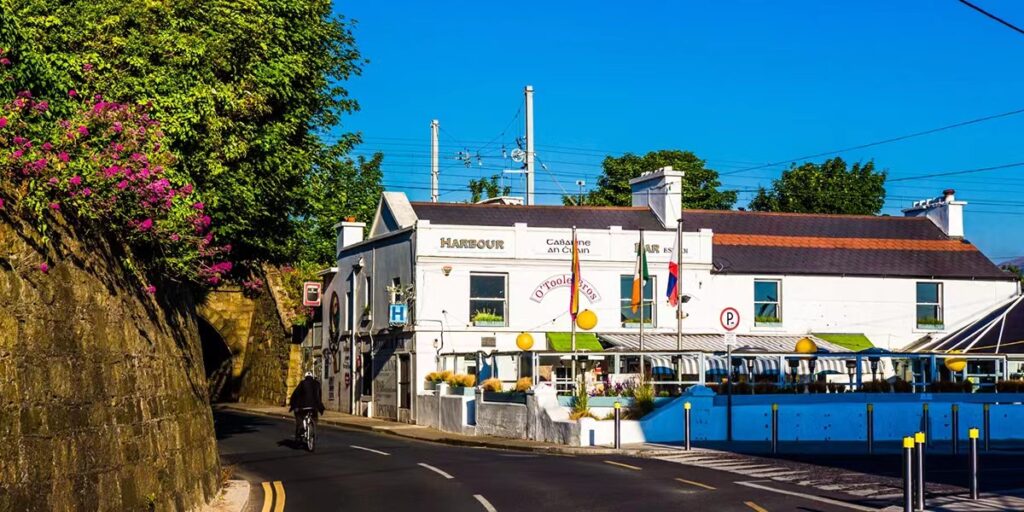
(268, 496)
(754, 506)
(279, 506)
(698, 484)
(621, 464)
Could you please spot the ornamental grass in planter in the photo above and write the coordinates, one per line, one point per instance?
(1010, 386)
(492, 384)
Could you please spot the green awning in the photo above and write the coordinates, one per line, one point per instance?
(562, 341)
(853, 341)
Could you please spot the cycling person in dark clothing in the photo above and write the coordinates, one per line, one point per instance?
(305, 399)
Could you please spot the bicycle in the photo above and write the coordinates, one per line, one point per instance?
(308, 437)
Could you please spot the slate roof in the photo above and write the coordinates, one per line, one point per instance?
(767, 243)
(461, 214)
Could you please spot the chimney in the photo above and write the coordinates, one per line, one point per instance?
(945, 211)
(349, 232)
(662, 192)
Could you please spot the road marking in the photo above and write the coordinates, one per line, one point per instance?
(612, 462)
(754, 506)
(371, 450)
(698, 484)
(438, 471)
(807, 496)
(279, 502)
(268, 496)
(483, 501)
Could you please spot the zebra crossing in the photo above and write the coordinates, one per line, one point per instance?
(873, 488)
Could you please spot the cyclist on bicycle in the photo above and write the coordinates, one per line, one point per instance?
(305, 398)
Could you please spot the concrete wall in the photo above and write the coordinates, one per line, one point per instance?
(448, 413)
(103, 402)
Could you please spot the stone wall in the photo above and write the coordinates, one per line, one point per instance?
(265, 373)
(102, 393)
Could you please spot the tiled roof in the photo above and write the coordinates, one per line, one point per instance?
(766, 243)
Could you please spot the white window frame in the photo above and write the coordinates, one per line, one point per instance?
(504, 276)
(777, 302)
(938, 305)
(650, 322)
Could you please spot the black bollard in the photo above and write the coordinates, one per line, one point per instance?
(973, 435)
(686, 426)
(618, 425)
(954, 420)
(908, 474)
(985, 424)
(775, 429)
(871, 429)
(924, 421)
(919, 476)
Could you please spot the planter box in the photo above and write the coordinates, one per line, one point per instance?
(505, 398)
(430, 385)
(462, 390)
(489, 323)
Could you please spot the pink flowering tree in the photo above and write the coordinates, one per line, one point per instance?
(105, 165)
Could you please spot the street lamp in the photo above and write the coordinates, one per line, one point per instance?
(851, 367)
(794, 363)
(874, 366)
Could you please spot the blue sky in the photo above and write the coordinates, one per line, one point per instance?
(739, 83)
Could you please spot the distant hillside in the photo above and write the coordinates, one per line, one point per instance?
(1017, 262)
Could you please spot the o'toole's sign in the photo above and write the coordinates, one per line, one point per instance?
(564, 281)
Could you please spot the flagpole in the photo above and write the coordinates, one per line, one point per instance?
(572, 317)
(679, 284)
(643, 252)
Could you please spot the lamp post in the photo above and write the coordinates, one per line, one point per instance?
(874, 367)
(750, 371)
(812, 362)
(794, 364)
(851, 366)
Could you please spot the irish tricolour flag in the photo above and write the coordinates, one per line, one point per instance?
(640, 274)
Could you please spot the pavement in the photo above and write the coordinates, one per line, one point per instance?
(370, 470)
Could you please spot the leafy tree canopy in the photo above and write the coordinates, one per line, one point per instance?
(828, 187)
(700, 186)
(491, 187)
(245, 90)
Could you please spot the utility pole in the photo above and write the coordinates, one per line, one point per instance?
(529, 144)
(434, 125)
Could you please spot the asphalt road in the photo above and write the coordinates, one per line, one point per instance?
(363, 471)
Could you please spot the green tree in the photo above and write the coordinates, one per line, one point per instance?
(248, 93)
(337, 188)
(825, 188)
(490, 187)
(700, 186)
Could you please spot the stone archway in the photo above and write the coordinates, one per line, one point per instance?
(225, 322)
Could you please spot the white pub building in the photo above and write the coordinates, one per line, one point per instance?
(475, 276)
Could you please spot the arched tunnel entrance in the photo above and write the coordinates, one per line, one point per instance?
(217, 362)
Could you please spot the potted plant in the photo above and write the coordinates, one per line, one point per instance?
(434, 378)
(929, 323)
(766, 321)
(461, 384)
(488, 318)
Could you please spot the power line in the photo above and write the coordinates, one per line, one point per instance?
(965, 171)
(993, 16)
(880, 142)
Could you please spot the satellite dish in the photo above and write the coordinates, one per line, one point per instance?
(518, 156)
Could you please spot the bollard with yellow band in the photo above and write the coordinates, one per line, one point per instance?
(919, 440)
(618, 425)
(972, 435)
(775, 429)
(908, 474)
(686, 425)
(870, 421)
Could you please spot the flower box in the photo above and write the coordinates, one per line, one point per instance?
(489, 323)
(462, 391)
(505, 398)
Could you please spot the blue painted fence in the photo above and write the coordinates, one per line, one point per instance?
(835, 417)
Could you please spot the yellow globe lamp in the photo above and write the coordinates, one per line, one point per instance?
(524, 341)
(586, 320)
(956, 364)
(806, 346)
